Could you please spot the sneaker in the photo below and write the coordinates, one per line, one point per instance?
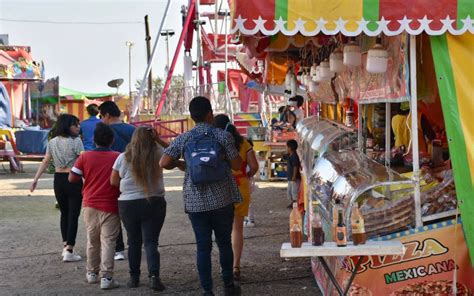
(106, 283)
(91, 278)
(248, 223)
(119, 256)
(156, 284)
(233, 290)
(71, 257)
(64, 252)
(133, 282)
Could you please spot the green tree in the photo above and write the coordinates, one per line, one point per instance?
(175, 99)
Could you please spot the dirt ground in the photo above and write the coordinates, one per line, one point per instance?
(30, 246)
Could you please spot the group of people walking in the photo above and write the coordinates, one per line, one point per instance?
(120, 180)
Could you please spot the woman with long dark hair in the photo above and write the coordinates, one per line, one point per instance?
(242, 176)
(142, 205)
(63, 149)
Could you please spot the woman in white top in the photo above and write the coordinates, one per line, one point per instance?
(142, 205)
(64, 149)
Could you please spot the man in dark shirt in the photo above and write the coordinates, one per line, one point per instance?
(293, 172)
(110, 115)
(88, 127)
(209, 206)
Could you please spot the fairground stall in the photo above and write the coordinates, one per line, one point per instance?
(387, 85)
(17, 70)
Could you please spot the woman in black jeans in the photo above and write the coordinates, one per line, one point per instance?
(64, 148)
(142, 205)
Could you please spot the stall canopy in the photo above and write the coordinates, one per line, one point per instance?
(455, 72)
(70, 94)
(451, 27)
(352, 17)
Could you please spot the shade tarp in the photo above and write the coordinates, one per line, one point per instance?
(71, 94)
(454, 67)
(352, 17)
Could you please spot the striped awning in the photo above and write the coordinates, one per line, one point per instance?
(454, 67)
(352, 17)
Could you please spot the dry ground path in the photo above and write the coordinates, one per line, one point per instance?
(30, 246)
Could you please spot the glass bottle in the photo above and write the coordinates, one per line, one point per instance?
(341, 231)
(317, 233)
(357, 226)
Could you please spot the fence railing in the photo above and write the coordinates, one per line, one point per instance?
(178, 99)
(168, 129)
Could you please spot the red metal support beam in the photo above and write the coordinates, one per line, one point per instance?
(189, 22)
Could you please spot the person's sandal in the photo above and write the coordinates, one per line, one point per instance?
(236, 273)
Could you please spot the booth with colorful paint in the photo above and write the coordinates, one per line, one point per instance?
(361, 64)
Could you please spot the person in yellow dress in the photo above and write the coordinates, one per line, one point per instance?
(242, 177)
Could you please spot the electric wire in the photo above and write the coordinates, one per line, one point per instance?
(70, 22)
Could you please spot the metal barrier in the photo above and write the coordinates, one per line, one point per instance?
(168, 129)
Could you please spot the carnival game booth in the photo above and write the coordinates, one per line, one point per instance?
(370, 67)
(17, 70)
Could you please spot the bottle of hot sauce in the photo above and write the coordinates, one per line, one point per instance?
(296, 234)
(341, 231)
(357, 225)
(317, 233)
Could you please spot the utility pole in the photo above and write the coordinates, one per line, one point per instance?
(148, 54)
(167, 33)
(129, 44)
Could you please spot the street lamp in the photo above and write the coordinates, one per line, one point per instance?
(129, 44)
(167, 33)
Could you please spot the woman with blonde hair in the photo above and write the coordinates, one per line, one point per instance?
(242, 177)
(142, 204)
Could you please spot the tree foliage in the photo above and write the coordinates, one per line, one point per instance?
(175, 100)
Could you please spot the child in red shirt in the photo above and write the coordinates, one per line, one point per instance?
(100, 206)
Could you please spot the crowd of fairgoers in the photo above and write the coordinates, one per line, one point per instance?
(113, 171)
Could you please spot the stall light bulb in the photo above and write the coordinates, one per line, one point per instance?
(377, 59)
(336, 63)
(351, 55)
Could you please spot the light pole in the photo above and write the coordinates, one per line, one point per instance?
(167, 33)
(129, 44)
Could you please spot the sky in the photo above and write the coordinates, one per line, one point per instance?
(86, 57)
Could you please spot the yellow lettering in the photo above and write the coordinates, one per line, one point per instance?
(432, 247)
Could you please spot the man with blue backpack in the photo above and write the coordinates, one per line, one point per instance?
(209, 190)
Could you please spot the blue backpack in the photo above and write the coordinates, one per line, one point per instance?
(205, 159)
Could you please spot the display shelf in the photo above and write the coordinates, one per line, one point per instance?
(438, 216)
(382, 100)
(331, 249)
